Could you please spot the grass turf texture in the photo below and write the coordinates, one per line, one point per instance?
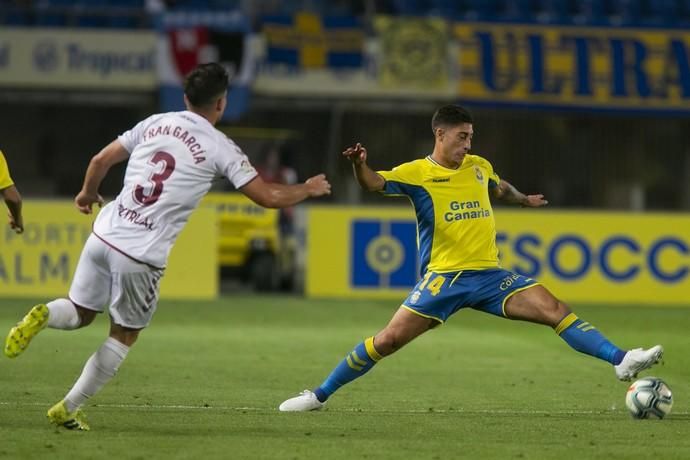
(206, 378)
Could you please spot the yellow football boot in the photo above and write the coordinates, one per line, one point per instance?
(58, 415)
(25, 330)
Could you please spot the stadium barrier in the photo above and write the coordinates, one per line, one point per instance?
(41, 261)
(582, 257)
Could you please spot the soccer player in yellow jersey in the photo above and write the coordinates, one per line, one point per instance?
(450, 191)
(11, 195)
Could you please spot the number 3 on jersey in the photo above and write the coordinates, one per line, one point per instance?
(157, 179)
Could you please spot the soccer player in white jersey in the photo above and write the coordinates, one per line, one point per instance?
(172, 159)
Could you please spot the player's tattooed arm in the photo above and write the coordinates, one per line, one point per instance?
(507, 193)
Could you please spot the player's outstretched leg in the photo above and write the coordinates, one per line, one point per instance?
(60, 416)
(539, 306)
(403, 327)
(585, 338)
(21, 335)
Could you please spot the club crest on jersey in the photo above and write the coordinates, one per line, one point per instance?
(478, 174)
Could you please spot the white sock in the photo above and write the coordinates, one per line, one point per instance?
(63, 315)
(99, 369)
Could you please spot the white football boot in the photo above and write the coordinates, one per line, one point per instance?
(637, 360)
(306, 401)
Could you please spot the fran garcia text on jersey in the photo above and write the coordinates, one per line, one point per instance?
(183, 135)
(461, 210)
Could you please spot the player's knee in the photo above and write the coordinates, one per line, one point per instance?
(554, 311)
(125, 335)
(86, 316)
(388, 342)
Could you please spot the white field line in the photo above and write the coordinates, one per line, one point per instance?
(353, 410)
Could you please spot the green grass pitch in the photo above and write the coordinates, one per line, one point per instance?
(205, 380)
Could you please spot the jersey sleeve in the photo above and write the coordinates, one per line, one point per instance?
(130, 139)
(235, 165)
(135, 136)
(400, 178)
(483, 163)
(5, 179)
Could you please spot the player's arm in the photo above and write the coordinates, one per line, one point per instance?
(368, 179)
(13, 200)
(271, 195)
(99, 166)
(507, 193)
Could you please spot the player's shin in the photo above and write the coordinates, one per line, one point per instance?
(357, 363)
(585, 338)
(99, 369)
(63, 315)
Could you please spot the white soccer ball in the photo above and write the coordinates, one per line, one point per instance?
(649, 397)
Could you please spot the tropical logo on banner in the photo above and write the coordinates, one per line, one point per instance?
(414, 51)
(186, 41)
(310, 41)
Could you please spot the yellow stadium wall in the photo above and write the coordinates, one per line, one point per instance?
(41, 261)
(583, 257)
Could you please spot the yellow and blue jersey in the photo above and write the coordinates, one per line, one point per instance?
(5, 179)
(455, 222)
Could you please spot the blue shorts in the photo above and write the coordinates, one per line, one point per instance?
(439, 295)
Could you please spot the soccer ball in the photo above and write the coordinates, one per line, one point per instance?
(649, 397)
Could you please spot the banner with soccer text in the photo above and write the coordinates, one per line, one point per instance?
(186, 40)
(585, 257)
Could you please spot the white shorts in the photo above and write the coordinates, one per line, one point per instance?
(104, 274)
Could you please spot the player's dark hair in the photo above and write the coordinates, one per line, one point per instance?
(205, 84)
(450, 115)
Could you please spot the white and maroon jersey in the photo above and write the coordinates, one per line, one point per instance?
(174, 157)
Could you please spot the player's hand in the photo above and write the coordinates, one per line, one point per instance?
(318, 186)
(16, 225)
(357, 154)
(534, 201)
(85, 200)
